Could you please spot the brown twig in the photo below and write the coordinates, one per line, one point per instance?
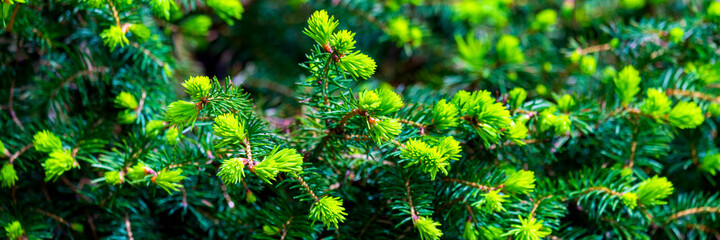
(604, 189)
(10, 105)
(471, 184)
(128, 226)
(115, 13)
(537, 203)
(415, 124)
(229, 200)
(74, 189)
(307, 188)
(75, 76)
(285, 228)
(692, 211)
(19, 152)
(413, 214)
(595, 48)
(53, 216)
(141, 104)
(692, 94)
(12, 19)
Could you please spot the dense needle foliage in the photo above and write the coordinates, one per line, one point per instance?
(405, 119)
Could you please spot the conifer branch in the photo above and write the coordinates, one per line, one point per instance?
(471, 184)
(19, 152)
(148, 53)
(114, 12)
(603, 189)
(307, 188)
(53, 216)
(703, 228)
(10, 23)
(128, 226)
(413, 213)
(10, 105)
(537, 203)
(285, 226)
(692, 94)
(415, 124)
(229, 200)
(594, 48)
(692, 211)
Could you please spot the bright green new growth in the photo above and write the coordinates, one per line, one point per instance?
(545, 19)
(113, 178)
(169, 180)
(171, 136)
(343, 41)
(528, 229)
(126, 100)
(231, 171)
(2, 147)
(449, 148)
(632, 4)
(286, 160)
(490, 116)
(588, 64)
(676, 35)
(710, 163)
(630, 200)
(627, 84)
(382, 101)
(137, 171)
(162, 8)
(431, 159)
(197, 25)
(402, 32)
(114, 36)
(428, 228)
(652, 191)
(270, 230)
(358, 65)
(516, 97)
(250, 197)
(229, 129)
(198, 87)
(368, 100)
(517, 132)
(227, 10)
(565, 102)
(686, 115)
(153, 127)
(141, 32)
(508, 49)
(126, 116)
(390, 101)
(321, 27)
(520, 182)
(470, 232)
(492, 202)
(8, 175)
(46, 141)
(59, 162)
(445, 115)
(14, 230)
(657, 104)
(182, 113)
(714, 109)
(384, 129)
(472, 50)
(328, 210)
(713, 11)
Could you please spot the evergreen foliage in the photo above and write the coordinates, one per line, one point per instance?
(405, 119)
